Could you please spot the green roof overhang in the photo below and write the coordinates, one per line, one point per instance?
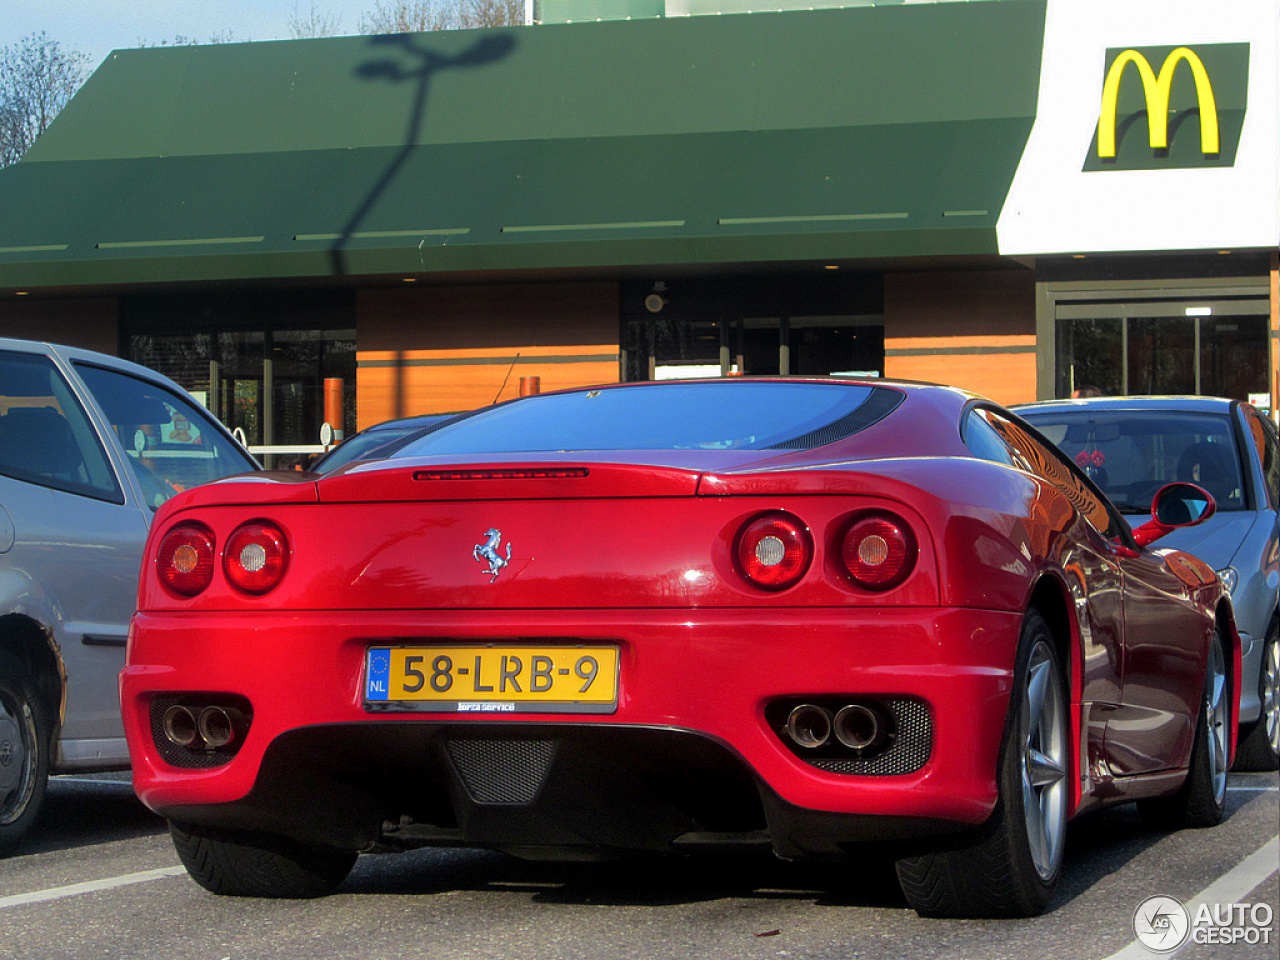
(826, 135)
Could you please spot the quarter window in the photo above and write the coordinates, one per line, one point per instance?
(984, 442)
(1049, 465)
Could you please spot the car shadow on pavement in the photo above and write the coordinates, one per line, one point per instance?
(1097, 846)
(81, 811)
(639, 881)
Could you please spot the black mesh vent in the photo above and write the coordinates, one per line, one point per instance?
(909, 752)
(879, 405)
(502, 771)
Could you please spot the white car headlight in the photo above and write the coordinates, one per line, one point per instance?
(1230, 578)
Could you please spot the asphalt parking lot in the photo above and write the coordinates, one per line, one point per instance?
(100, 880)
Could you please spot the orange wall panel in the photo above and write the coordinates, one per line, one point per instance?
(1275, 336)
(972, 330)
(447, 349)
(1005, 378)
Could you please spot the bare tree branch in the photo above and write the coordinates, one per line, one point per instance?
(410, 16)
(313, 23)
(181, 40)
(491, 13)
(37, 79)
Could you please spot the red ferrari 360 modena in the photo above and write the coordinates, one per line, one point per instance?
(797, 614)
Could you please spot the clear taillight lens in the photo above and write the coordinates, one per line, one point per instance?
(774, 551)
(878, 551)
(185, 559)
(255, 557)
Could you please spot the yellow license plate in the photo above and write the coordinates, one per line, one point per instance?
(492, 679)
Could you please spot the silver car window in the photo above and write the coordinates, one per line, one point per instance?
(45, 436)
(171, 443)
(1263, 434)
(1131, 454)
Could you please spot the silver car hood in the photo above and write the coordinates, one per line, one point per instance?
(1217, 540)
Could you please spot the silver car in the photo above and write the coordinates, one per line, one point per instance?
(90, 446)
(1132, 446)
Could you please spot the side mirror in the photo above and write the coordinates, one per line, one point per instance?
(1175, 505)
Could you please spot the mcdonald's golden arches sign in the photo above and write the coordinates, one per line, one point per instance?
(1171, 107)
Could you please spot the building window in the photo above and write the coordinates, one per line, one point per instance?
(259, 365)
(759, 327)
(1212, 347)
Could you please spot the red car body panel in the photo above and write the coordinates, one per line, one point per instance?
(637, 549)
(954, 659)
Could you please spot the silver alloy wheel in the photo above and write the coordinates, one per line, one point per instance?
(1217, 717)
(1043, 728)
(1271, 694)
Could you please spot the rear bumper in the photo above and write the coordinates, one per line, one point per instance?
(689, 750)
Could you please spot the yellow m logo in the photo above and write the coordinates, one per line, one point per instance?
(1156, 89)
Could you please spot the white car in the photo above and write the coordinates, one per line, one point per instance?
(1131, 446)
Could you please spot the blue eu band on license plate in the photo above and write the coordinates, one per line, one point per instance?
(492, 679)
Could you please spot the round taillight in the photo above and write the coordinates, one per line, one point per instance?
(878, 551)
(185, 559)
(774, 551)
(255, 557)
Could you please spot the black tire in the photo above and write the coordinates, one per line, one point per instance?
(237, 864)
(1259, 748)
(1013, 863)
(26, 732)
(1202, 799)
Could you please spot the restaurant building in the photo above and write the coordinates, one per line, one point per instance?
(1020, 197)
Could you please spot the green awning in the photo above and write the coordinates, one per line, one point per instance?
(836, 134)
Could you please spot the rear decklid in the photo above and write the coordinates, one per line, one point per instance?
(542, 534)
(669, 474)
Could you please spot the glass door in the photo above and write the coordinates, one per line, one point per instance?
(1210, 347)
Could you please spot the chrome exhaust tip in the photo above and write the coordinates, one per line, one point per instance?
(217, 727)
(809, 726)
(180, 726)
(858, 727)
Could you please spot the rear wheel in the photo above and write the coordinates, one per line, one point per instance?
(1013, 865)
(25, 735)
(1202, 799)
(1260, 742)
(239, 864)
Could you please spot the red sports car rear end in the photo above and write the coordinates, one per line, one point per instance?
(789, 615)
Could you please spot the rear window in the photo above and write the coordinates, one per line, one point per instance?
(1132, 454)
(718, 415)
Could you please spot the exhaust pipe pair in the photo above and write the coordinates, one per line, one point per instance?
(212, 727)
(854, 725)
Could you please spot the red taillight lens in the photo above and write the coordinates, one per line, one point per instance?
(255, 557)
(774, 551)
(878, 551)
(185, 559)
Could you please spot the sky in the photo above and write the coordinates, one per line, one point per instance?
(96, 27)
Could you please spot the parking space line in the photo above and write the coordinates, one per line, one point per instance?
(91, 886)
(1232, 887)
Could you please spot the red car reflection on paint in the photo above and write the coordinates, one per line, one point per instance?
(793, 614)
